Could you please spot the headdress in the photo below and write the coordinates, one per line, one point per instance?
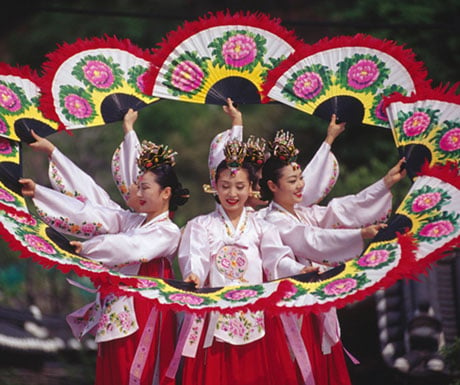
(255, 150)
(154, 155)
(282, 147)
(235, 153)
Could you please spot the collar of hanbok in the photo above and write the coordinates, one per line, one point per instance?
(232, 234)
(276, 207)
(159, 218)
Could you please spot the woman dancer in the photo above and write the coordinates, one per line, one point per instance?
(336, 230)
(137, 244)
(232, 246)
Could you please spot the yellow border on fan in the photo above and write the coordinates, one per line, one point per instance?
(216, 73)
(367, 99)
(31, 113)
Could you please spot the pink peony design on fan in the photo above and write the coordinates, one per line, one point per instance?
(238, 295)
(426, 202)
(363, 74)
(450, 141)
(437, 229)
(5, 147)
(9, 100)
(417, 123)
(187, 299)
(6, 196)
(239, 50)
(308, 85)
(98, 74)
(39, 244)
(78, 106)
(3, 127)
(187, 76)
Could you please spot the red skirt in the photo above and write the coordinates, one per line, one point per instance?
(265, 361)
(328, 369)
(115, 357)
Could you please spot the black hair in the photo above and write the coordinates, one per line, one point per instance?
(165, 176)
(271, 170)
(248, 166)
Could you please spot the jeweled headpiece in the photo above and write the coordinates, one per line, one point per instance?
(282, 147)
(154, 155)
(235, 152)
(255, 150)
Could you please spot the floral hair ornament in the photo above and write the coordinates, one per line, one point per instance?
(255, 150)
(235, 153)
(154, 155)
(282, 147)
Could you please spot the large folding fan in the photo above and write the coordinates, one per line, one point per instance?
(345, 75)
(19, 112)
(219, 56)
(94, 81)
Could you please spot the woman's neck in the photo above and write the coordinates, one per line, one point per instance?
(288, 207)
(234, 217)
(153, 214)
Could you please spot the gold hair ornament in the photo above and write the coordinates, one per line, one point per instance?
(255, 150)
(282, 147)
(235, 152)
(154, 155)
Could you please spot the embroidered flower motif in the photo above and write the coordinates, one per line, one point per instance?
(438, 229)
(417, 123)
(363, 74)
(239, 50)
(426, 201)
(9, 100)
(188, 299)
(24, 220)
(187, 76)
(146, 283)
(39, 244)
(237, 295)
(450, 141)
(6, 196)
(78, 106)
(98, 74)
(341, 286)
(374, 258)
(232, 262)
(136, 77)
(3, 126)
(5, 146)
(91, 265)
(308, 85)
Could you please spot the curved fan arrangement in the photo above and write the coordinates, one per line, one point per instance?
(219, 56)
(360, 78)
(345, 75)
(19, 107)
(93, 82)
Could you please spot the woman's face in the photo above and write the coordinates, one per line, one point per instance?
(288, 190)
(152, 198)
(233, 190)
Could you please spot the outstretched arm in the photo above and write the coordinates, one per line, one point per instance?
(334, 130)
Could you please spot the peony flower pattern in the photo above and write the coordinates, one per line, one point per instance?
(308, 84)
(239, 49)
(13, 100)
(39, 244)
(186, 74)
(416, 123)
(426, 200)
(243, 295)
(232, 262)
(341, 287)
(362, 73)
(7, 150)
(377, 258)
(186, 299)
(99, 72)
(448, 139)
(76, 104)
(378, 113)
(438, 227)
(136, 78)
(3, 126)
